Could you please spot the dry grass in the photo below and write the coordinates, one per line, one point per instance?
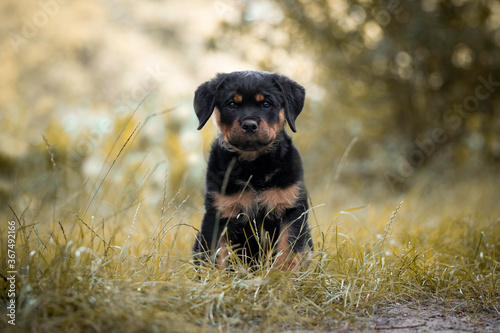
(73, 278)
(127, 273)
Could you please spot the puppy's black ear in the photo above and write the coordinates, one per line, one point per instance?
(294, 95)
(204, 99)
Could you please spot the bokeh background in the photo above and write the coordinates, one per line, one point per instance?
(401, 95)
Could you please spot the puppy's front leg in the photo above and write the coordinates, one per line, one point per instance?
(210, 241)
(294, 247)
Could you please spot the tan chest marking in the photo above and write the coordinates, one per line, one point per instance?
(279, 198)
(233, 204)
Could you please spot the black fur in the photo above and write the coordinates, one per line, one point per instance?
(273, 165)
(292, 94)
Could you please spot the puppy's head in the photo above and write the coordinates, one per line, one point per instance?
(250, 108)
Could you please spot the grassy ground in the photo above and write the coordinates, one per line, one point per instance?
(435, 247)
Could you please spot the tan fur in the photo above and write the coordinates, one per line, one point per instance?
(259, 97)
(238, 98)
(252, 155)
(284, 261)
(233, 204)
(281, 122)
(282, 247)
(222, 253)
(245, 202)
(265, 132)
(279, 199)
(223, 129)
(276, 128)
(288, 261)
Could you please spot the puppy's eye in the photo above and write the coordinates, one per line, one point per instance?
(266, 104)
(231, 105)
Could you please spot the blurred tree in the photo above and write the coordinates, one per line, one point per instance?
(416, 81)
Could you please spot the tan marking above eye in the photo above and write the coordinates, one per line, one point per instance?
(238, 98)
(259, 97)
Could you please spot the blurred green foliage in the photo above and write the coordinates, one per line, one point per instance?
(417, 82)
(396, 89)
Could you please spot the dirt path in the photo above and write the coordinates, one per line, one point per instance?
(430, 318)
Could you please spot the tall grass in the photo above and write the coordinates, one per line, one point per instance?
(131, 270)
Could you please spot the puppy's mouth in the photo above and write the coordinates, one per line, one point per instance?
(250, 145)
(250, 137)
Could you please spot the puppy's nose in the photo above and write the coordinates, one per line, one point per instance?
(249, 126)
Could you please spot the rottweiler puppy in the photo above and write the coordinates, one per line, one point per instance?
(255, 198)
